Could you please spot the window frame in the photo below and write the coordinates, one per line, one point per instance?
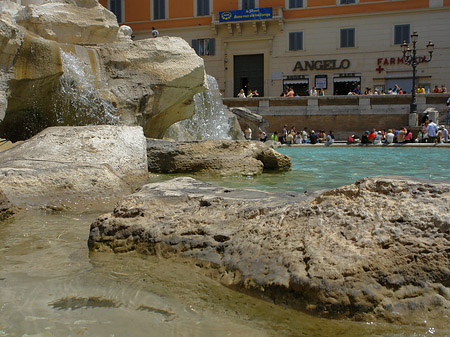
(154, 17)
(121, 18)
(408, 35)
(293, 37)
(350, 29)
(200, 46)
(288, 4)
(241, 4)
(346, 2)
(197, 8)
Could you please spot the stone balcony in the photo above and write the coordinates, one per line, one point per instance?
(259, 25)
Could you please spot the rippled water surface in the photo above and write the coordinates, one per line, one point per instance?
(316, 168)
(50, 285)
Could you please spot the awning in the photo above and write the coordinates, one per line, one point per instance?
(301, 81)
(347, 79)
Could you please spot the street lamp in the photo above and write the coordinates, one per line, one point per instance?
(409, 57)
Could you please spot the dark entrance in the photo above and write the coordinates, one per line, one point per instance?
(249, 73)
(344, 85)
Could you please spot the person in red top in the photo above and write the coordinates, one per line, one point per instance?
(408, 136)
(372, 136)
(290, 93)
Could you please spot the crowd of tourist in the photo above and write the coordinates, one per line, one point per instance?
(250, 93)
(430, 133)
(292, 136)
(396, 90)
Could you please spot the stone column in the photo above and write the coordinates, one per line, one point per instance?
(412, 119)
(313, 105)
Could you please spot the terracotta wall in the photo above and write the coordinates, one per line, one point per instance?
(225, 5)
(139, 10)
(181, 8)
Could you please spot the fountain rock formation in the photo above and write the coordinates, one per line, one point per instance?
(212, 119)
(68, 63)
(74, 163)
(376, 249)
(219, 157)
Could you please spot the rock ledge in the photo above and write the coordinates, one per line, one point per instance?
(376, 249)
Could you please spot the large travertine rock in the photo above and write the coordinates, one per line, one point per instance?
(73, 22)
(153, 81)
(376, 249)
(253, 120)
(221, 157)
(67, 163)
(67, 63)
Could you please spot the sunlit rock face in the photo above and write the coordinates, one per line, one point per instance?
(74, 163)
(75, 22)
(373, 250)
(68, 63)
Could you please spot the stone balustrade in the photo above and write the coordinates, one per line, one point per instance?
(343, 114)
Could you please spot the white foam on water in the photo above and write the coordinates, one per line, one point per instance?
(210, 120)
(78, 101)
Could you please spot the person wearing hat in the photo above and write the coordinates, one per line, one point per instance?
(444, 134)
(440, 135)
(365, 138)
(378, 138)
(313, 138)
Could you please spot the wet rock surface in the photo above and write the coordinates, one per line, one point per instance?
(7, 210)
(68, 63)
(222, 157)
(374, 250)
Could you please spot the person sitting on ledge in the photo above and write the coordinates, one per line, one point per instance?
(372, 136)
(274, 136)
(313, 138)
(390, 136)
(365, 138)
(330, 138)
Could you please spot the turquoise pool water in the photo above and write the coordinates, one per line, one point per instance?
(316, 168)
(329, 167)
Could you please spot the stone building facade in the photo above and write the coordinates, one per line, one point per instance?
(269, 45)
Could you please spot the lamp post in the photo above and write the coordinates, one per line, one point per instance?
(410, 57)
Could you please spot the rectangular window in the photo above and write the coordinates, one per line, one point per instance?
(159, 10)
(115, 6)
(401, 33)
(346, 2)
(204, 47)
(248, 4)
(347, 37)
(202, 7)
(296, 41)
(295, 3)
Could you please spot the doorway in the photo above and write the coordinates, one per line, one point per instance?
(249, 73)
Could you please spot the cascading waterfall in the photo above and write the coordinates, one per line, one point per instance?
(210, 120)
(78, 101)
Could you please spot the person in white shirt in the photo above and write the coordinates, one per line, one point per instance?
(432, 131)
(390, 137)
(378, 138)
(248, 133)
